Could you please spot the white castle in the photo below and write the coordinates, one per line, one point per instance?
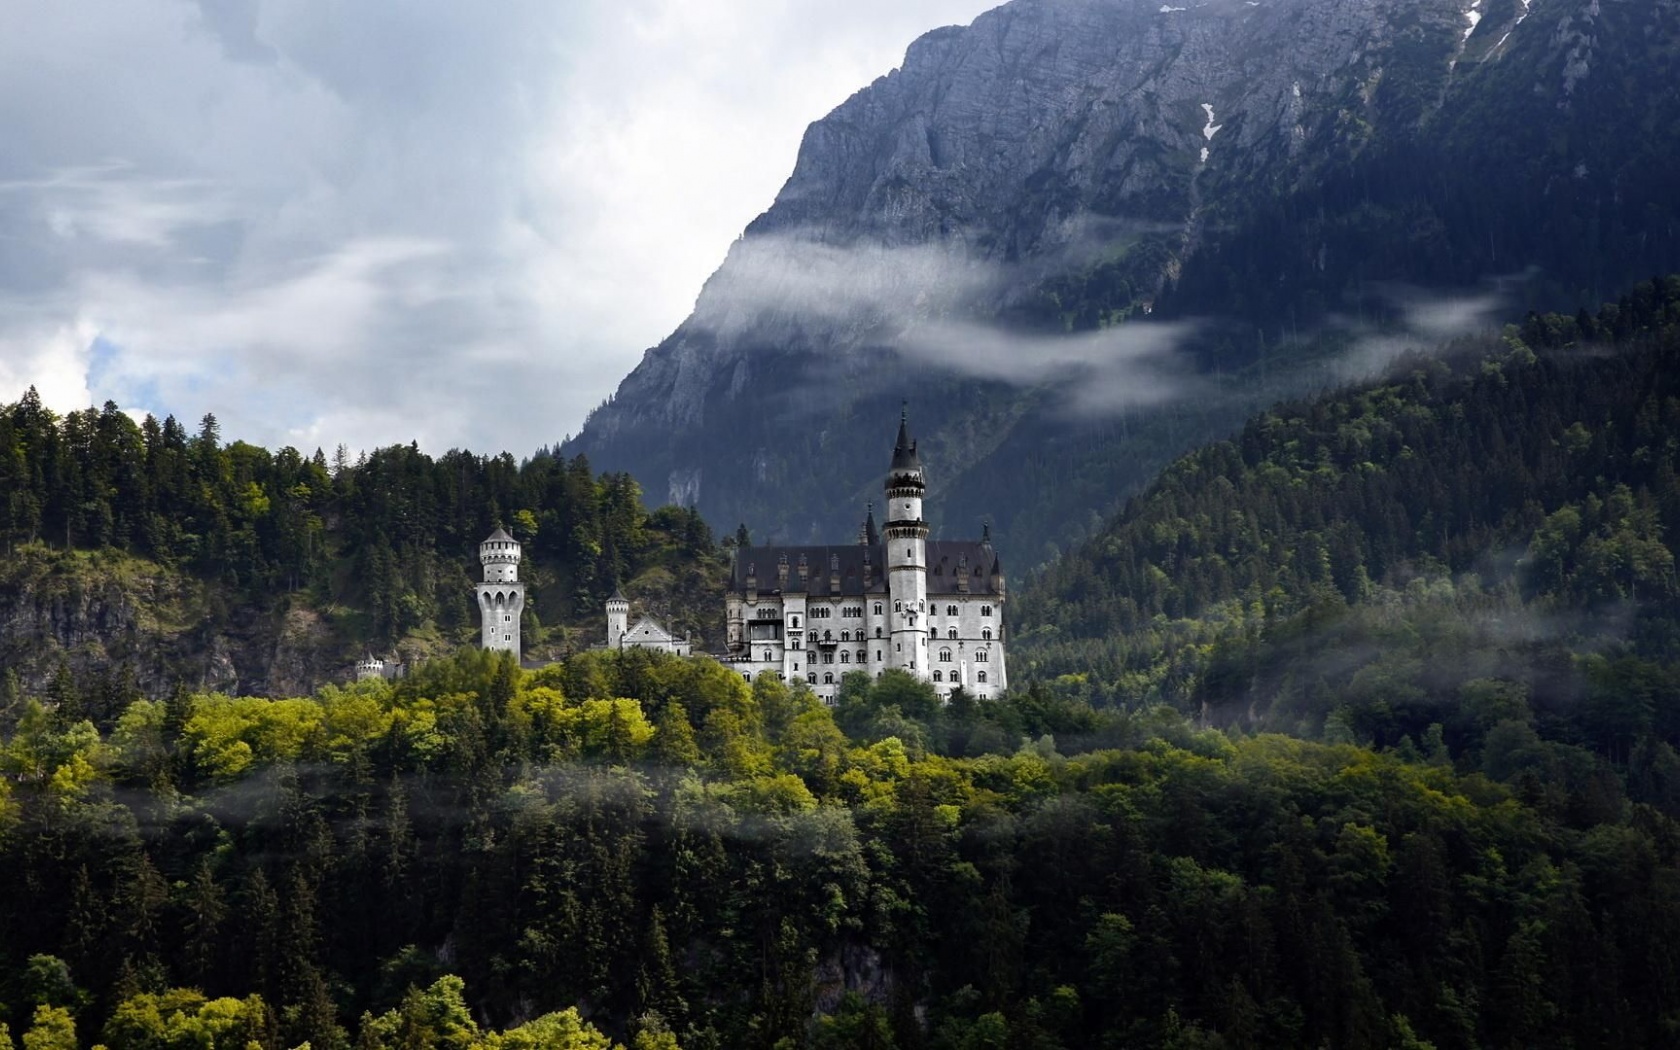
(501, 597)
(893, 599)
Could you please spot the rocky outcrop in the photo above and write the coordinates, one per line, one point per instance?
(110, 616)
(1068, 165)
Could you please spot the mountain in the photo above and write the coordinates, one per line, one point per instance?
(1081, 236)
(1481, 538)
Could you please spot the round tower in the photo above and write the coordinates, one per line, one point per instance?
(618, 618)
(905, 538)
(501, 597)
(369, 666)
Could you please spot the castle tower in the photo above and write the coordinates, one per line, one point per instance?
(618, 619)
(905, 537)
(501, 597)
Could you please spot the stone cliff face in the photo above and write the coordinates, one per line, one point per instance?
(1067, 166)
(106, 615)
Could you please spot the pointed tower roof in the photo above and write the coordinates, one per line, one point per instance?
(499, 535)
(618, 595)
(904, 452)
(871, 534)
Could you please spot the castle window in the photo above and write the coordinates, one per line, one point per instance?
(939, 676)
(950, 610)
(877, 632)
(986, 633)
(877, 656)
(985, 610)
(793, 621)
(944, 656)
(766, 655)
(845, 658)
(811, 677)
(813, 636)
(877, 608)
(863, 654)
(982, 656)
(747, 675)
(898, 607)
(845, 636)
(912, 619)
(795, 642)
(827, 658)
(828, 679)
(980, 676)
(952, 632)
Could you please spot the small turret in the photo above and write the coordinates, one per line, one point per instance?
(618, 618)
(500, 557)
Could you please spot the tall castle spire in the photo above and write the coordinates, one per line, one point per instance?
(905, 537)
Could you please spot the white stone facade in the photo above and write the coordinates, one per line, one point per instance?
(893, 599)
(501, 597)
(647, 634)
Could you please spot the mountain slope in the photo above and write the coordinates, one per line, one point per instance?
(984, 230)
(1479, 537)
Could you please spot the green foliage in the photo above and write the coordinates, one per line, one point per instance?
(1481, 537)
(1098, 876)
(183, 1019)
(51, 1029)
(159, 513)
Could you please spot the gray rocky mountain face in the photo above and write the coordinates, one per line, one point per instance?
(1049, 229)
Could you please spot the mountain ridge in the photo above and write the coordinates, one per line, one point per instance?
(1039, 174)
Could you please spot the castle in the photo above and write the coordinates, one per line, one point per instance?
(894, 599)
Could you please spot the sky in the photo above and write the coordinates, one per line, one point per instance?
(372, 222)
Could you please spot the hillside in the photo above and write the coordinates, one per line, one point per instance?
(141, 558)
(647, 847)
(1485, 536)
(1083, 236)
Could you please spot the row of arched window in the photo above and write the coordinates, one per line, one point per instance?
(979, 676)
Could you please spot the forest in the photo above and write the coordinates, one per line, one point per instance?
(1356, 730)
(646, 851)
(1486, 530)
(384, 545)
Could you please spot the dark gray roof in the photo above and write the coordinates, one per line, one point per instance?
(904, 450)
(498, 535)
(944, 559)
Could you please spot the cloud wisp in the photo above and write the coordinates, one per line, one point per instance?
(381, 222)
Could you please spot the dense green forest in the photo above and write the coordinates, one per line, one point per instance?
(384, 545)
(461, 858)
(1486, 532)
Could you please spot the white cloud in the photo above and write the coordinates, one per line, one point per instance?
(379, 221)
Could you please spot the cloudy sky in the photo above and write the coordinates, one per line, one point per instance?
(373, 221)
